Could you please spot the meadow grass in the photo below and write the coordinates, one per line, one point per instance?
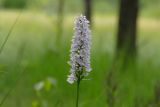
(31, 48)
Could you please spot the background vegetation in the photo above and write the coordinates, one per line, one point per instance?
(33, 68)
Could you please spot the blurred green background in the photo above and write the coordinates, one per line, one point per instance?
(34, 69)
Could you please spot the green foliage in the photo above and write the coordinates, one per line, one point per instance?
(14, 3)
(42, 90)
(41, 59)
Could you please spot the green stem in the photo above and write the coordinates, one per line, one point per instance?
(78, 83)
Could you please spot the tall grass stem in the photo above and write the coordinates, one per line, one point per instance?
(9, 33)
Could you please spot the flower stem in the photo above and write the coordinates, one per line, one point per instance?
(77, 100)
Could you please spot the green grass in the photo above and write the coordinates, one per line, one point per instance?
(31, 48)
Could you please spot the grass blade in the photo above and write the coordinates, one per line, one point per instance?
(9, 33)
(19, 58)
(1, 49)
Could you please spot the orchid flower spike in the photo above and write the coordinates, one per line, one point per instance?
(80, 50)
